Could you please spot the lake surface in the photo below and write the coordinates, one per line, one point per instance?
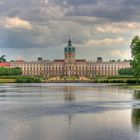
(69, 112)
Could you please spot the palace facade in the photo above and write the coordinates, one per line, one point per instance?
(70, 66)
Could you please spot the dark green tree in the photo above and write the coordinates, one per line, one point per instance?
(2, 58)
(126, 71)
(10, 71)
(135, 51)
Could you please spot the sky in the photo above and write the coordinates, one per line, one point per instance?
(40, 28)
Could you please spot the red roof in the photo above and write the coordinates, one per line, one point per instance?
(4, 64)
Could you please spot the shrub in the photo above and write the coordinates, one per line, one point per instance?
(10, 71)
(126, 71)
(28, 80)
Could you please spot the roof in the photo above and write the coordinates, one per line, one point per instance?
(58, 61)
(4, 64)
(19, 60)
(80, 60)
(69, 48)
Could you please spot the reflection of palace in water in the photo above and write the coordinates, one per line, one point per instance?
(69, 95)
(80, 88)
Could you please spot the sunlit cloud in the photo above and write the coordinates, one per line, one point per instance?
(17, 23)
(121, 27)
(106, 42)
(125, 54)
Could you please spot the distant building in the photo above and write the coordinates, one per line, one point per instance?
(70, 66)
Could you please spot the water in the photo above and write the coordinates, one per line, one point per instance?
(69, 112)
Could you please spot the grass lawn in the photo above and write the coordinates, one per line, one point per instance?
(7, 80)
(134, 86)
(131, 80)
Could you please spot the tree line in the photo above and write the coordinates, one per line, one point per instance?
(3, 59)
(10, 71)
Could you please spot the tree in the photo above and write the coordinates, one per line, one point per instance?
(2, 58)
(135, 46)
(119, 60)
(10, 71)
(126, 71)
(135, 51)
(16, 71)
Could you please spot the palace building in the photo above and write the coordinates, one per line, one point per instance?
(70, 66)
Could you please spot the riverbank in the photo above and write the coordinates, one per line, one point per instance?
(7, 81)
(21, 79)
(39, 79)
(135, 87)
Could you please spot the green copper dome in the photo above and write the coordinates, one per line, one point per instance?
(69, 48)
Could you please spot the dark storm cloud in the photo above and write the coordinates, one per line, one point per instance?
(113, 10)
(16, 39)
(25, 9)
(38, 10)
(131, 2)
(108, 14)
(74, 2)
(38, 37)
(22, 38)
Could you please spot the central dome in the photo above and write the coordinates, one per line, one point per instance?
(69, 48)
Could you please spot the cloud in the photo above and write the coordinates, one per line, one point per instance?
(113, 10)
(106, 42)
(75, 2)
(44, 24)
(121, 27)
(109, 28)
(16, 22)
(1, 3)
(124, 54)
